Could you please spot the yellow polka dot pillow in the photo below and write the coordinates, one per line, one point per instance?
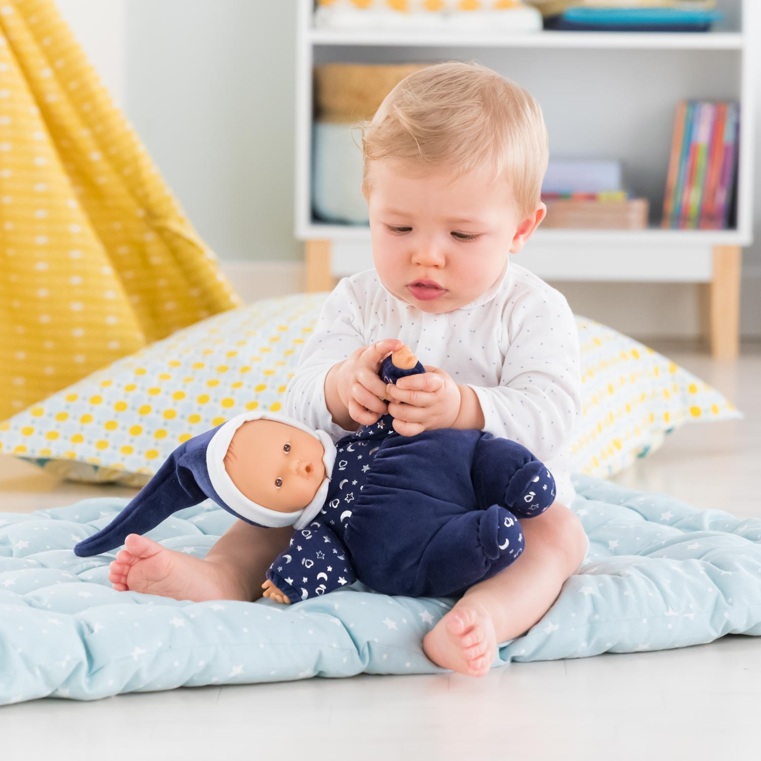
(632, 397)
(121, 423)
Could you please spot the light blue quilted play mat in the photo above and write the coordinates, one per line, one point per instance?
(660, 574)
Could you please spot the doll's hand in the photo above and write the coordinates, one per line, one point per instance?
(271, 591)
(423, 402)
(358, 386)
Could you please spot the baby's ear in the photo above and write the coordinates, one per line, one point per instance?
(527, 227)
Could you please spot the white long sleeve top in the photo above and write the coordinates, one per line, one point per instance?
(516, 346)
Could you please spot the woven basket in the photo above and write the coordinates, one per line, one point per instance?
(347, 92)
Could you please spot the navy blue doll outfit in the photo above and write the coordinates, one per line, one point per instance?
(427, 515)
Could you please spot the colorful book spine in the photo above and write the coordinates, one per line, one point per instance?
(683, 156)
(728, 165)
(692, 148)
(707, 213)
(701, 149)
(676, 145)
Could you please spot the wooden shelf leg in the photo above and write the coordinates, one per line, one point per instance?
(318, 276)
(725, 302)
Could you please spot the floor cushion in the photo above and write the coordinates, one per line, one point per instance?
(660, 574)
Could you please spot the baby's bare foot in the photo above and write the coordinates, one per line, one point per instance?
(464, 640)
(145, 566)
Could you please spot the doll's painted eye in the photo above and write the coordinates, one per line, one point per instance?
(278, 482)
(286, 448)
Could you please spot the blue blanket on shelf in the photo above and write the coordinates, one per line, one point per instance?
(660, 574)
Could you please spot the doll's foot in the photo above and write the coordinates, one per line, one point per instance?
(501, 537)
(531, 491)
(145, 566)
(464, 640)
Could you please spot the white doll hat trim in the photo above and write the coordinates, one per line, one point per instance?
(237, 501)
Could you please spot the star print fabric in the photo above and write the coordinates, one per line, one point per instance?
(428, 515)
(316, 563)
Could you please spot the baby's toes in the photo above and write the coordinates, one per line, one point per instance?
(461, 621)
(479, 666)
(119, 583)
(117, 569)
(118, 573)
(473, 637)
(125, 558)
(476, 651)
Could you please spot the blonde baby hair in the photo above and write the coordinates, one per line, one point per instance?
(464, 116)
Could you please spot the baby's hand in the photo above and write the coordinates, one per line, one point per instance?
(271, 591)
(358, 386)
(423, 402)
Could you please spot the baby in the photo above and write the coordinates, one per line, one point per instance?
(454, 160)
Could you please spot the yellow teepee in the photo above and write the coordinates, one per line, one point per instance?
(96, 257)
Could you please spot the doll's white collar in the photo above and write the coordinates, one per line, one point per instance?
(237, 501)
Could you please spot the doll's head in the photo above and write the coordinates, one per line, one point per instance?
(270, 469)
(276, 465)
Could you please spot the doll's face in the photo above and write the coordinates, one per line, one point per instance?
(276, 465)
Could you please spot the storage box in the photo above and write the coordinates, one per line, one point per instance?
(631, 214)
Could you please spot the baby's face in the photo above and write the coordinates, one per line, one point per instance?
(276, 465)
(454, 232)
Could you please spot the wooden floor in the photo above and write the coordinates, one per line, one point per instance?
(695, 703)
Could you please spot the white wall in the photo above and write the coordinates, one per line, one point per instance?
(209, 87)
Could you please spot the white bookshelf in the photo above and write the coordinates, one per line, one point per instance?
(609, 95)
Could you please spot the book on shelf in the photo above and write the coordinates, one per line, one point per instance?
(702, 167)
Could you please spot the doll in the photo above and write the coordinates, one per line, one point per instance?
(427, 515)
